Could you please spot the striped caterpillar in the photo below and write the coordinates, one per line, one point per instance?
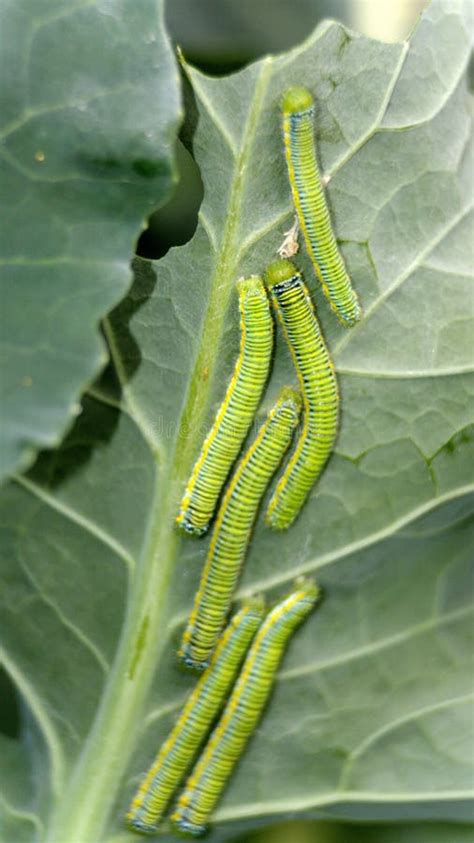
(202, 706)
(318, 384)
(235, 414)
(243, 710)
(311, 206)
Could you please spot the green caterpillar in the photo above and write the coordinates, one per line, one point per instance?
(243, 710)
(203, 704)
(311, 206)
(318, 384)
(236, 413)
(233, 527)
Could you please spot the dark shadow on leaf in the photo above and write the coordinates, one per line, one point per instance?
(174, 223)
(126, 168)
(117, 330)
(10, 710)
(93, 428)
(98, 419)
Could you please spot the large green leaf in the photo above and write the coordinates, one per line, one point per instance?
(89, 109)
(370, 715)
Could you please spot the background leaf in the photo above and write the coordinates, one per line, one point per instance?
(89, 111)
(370, 715)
